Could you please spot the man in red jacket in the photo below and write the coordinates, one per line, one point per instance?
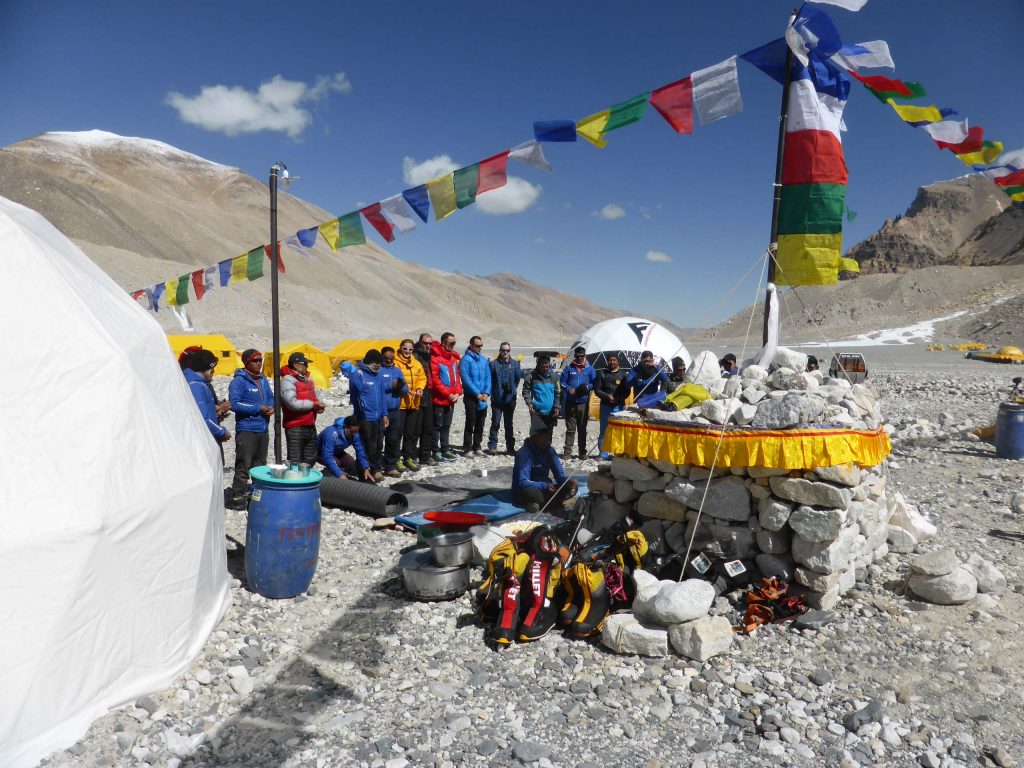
(299, 408)
(445, 390)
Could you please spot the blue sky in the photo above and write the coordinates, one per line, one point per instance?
(365, 91)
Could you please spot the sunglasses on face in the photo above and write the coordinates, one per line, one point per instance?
(254, 360)
(505, 351)
(407, 349)
(477, 346)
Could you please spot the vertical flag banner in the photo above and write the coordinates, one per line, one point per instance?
(329, 232)
(384, 227)
(554, 130)
(397, 211)
(674, 102)
(224, 268)
(442, 196)
(592, 128)
(181, 297)
(270, 257)
(419, 200)
(254, 263)
(239, 268)
(531, 153)
(172, 292)
(950, 133)
(916, 115)
(466, 181)
(350, 230)
(716, 91)
(157, 292)
(197, 283)
(627, 112)
(988, 152)
(493, 173)
(870, 55)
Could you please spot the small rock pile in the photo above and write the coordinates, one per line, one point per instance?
(939, 577)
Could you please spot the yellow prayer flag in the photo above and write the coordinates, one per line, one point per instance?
(592, 128)
(987, 154)
(848, 265)
(329, 230)
(808, 259)
(239, 268)
(171, 292)
(912, 114)
(442, 196)
(1018, 197)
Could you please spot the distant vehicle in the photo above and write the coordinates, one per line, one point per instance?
(849, 365)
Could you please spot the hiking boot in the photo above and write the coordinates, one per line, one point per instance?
(411, 466)
(428, 461)
(492, 451)
(567, 453)
(538, 598)
(438, 458)
(377, 476)
(400, 466)
(582, 456)
(392, 473)
(450, 456)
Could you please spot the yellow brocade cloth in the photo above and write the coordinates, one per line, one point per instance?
(695, 444)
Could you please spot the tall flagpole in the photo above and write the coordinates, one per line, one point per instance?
(275, 320)
(773, 247)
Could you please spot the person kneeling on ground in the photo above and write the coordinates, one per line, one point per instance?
(332, 444)
(536, 464)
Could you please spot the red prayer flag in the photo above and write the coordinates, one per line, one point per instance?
(975, 136)
(813, 157)
(1014, 179)
(880, 83)
(280, 261)
(384, 227)
(197, 283)
(675, 103)
(493, 173)
(138, 294)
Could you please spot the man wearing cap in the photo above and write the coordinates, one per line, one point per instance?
(577, 382)
(198, 373)
(366, 391)
(542, 392)
(505, 377)
(299, 408)
(538, 480)
(676, 378)
(331, 448)
(252, 401)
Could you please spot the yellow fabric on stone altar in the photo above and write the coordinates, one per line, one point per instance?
(776, 449)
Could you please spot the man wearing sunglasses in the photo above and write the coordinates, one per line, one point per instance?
(445, 391)
(476, 385)
(577, 382)
(505, 377)
(252, 401)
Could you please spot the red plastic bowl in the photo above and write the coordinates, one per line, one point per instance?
(445, 517)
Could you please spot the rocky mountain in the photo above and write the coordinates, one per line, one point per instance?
(146, 211)
(966, 221)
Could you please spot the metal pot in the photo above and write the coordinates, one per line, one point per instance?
(452, 548)
(426, 581)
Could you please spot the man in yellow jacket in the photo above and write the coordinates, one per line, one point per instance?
(416, 378)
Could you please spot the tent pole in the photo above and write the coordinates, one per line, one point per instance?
(275, 320)
(773, 247)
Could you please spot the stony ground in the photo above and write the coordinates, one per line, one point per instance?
(353, 674)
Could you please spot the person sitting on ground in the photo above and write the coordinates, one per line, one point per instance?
(812, 363)
(331, 450)
(676, 377)
(299, 408)
(577, 381)
(646, 379)
(366, 392)
(198, 373)
(538, 480)
(728, 365)
(252, 401)
(543, 392)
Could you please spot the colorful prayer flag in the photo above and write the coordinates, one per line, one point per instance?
(254, 263)
(948, 133)
(384, 227)
(813, 157)
(554, 130)
(812, 209)
(329, 232)
(626, 112)
(172, 291)
(136, 295)
(674, 102)
(224, 267)
(870, 55)
(442, 196)
(350, 230)
(1013, 179)
(307, 237)
(885, 88)
(810, 259)
(419, 200)
(493, 172)
(989, 151)
(181, 293)
(531, 153)
(972, 141)
(850, 5)
(716, 91)
(397, 211)
(198, 283)
(466, 181)
(157, 292)
(270, 258)
(592, 128)
(912, 114)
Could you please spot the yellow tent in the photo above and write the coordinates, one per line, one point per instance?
(229, 359)
(353, 350)
(319, 362)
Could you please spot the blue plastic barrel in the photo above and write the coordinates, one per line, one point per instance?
(1010, 431)
(282, 536)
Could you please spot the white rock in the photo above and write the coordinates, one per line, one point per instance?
(819, 582)
(661, 505)
(788, 411)
(203, 676)
(626, 468)
(719, 411)
(1017, 503)
(990, 579)
(702, 638)
(646, 591)
(754, 372)
(704, 370)
(824, 557)
(727, 499)
(900, 541)
(840, 474)
(773, 542)
(772, 514)
(938, 562)
(745, 414)
(485, 539)
(905, 516)
(813, 494)
(951, 589)
(601, 482)
(682, 601)
(789, 358)
(817, 524)
(623, 633)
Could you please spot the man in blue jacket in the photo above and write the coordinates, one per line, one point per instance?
(505, 377)
(366, 392)
(538, 480)
(252, 401)
(198, 373)
(577, 382)
(476, 390)
(542, 392)
(332, 444)
(393, 382)
(646, 379)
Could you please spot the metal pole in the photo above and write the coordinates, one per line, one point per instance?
(275, 320)
(773, 247)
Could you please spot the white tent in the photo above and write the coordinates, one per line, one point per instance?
(112, 560)
(628, 337)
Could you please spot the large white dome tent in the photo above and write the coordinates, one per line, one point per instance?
(629, 337)
(112, 561)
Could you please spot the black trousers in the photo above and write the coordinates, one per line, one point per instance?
(301, 442)
(502, 413)
(411, 433)
(426, 442)
(393, 438)
(476, 419)
(372, 433)
(442, 427)
(250, 451)
(524, 497)
(576, 417)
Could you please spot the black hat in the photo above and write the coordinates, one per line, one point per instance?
(202, 360)
(297, 357)
(249, 354)
(373, 357)
(537, 425)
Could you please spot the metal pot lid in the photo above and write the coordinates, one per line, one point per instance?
(422, 560)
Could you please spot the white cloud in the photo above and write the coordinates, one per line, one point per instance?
(646, 213)
(275, 106)
(611, 211)
(419, 173)
(659, 257)
(538, 241)
(515, 197)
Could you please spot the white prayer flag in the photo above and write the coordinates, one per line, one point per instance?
(850, 5)
(532, 154)
(716, 91)
(875, 54)
(211, 278)
(397, 211)
(949, 131)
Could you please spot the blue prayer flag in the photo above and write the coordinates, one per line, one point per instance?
(308, 236)
(419, 200)
(554, 130)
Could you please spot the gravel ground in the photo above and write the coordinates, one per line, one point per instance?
(353, 674)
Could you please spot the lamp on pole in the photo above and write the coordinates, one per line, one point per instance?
(275, 321)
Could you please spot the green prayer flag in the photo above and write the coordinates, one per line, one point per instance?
(254, 263)
(627, 112)
(350, 230)
(916, 92)
(808, 209)
(181, 296)
(466, 181)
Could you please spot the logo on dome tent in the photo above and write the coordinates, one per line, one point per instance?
(640, 330)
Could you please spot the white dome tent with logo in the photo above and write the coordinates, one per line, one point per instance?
(112, 561)
(628, 338)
